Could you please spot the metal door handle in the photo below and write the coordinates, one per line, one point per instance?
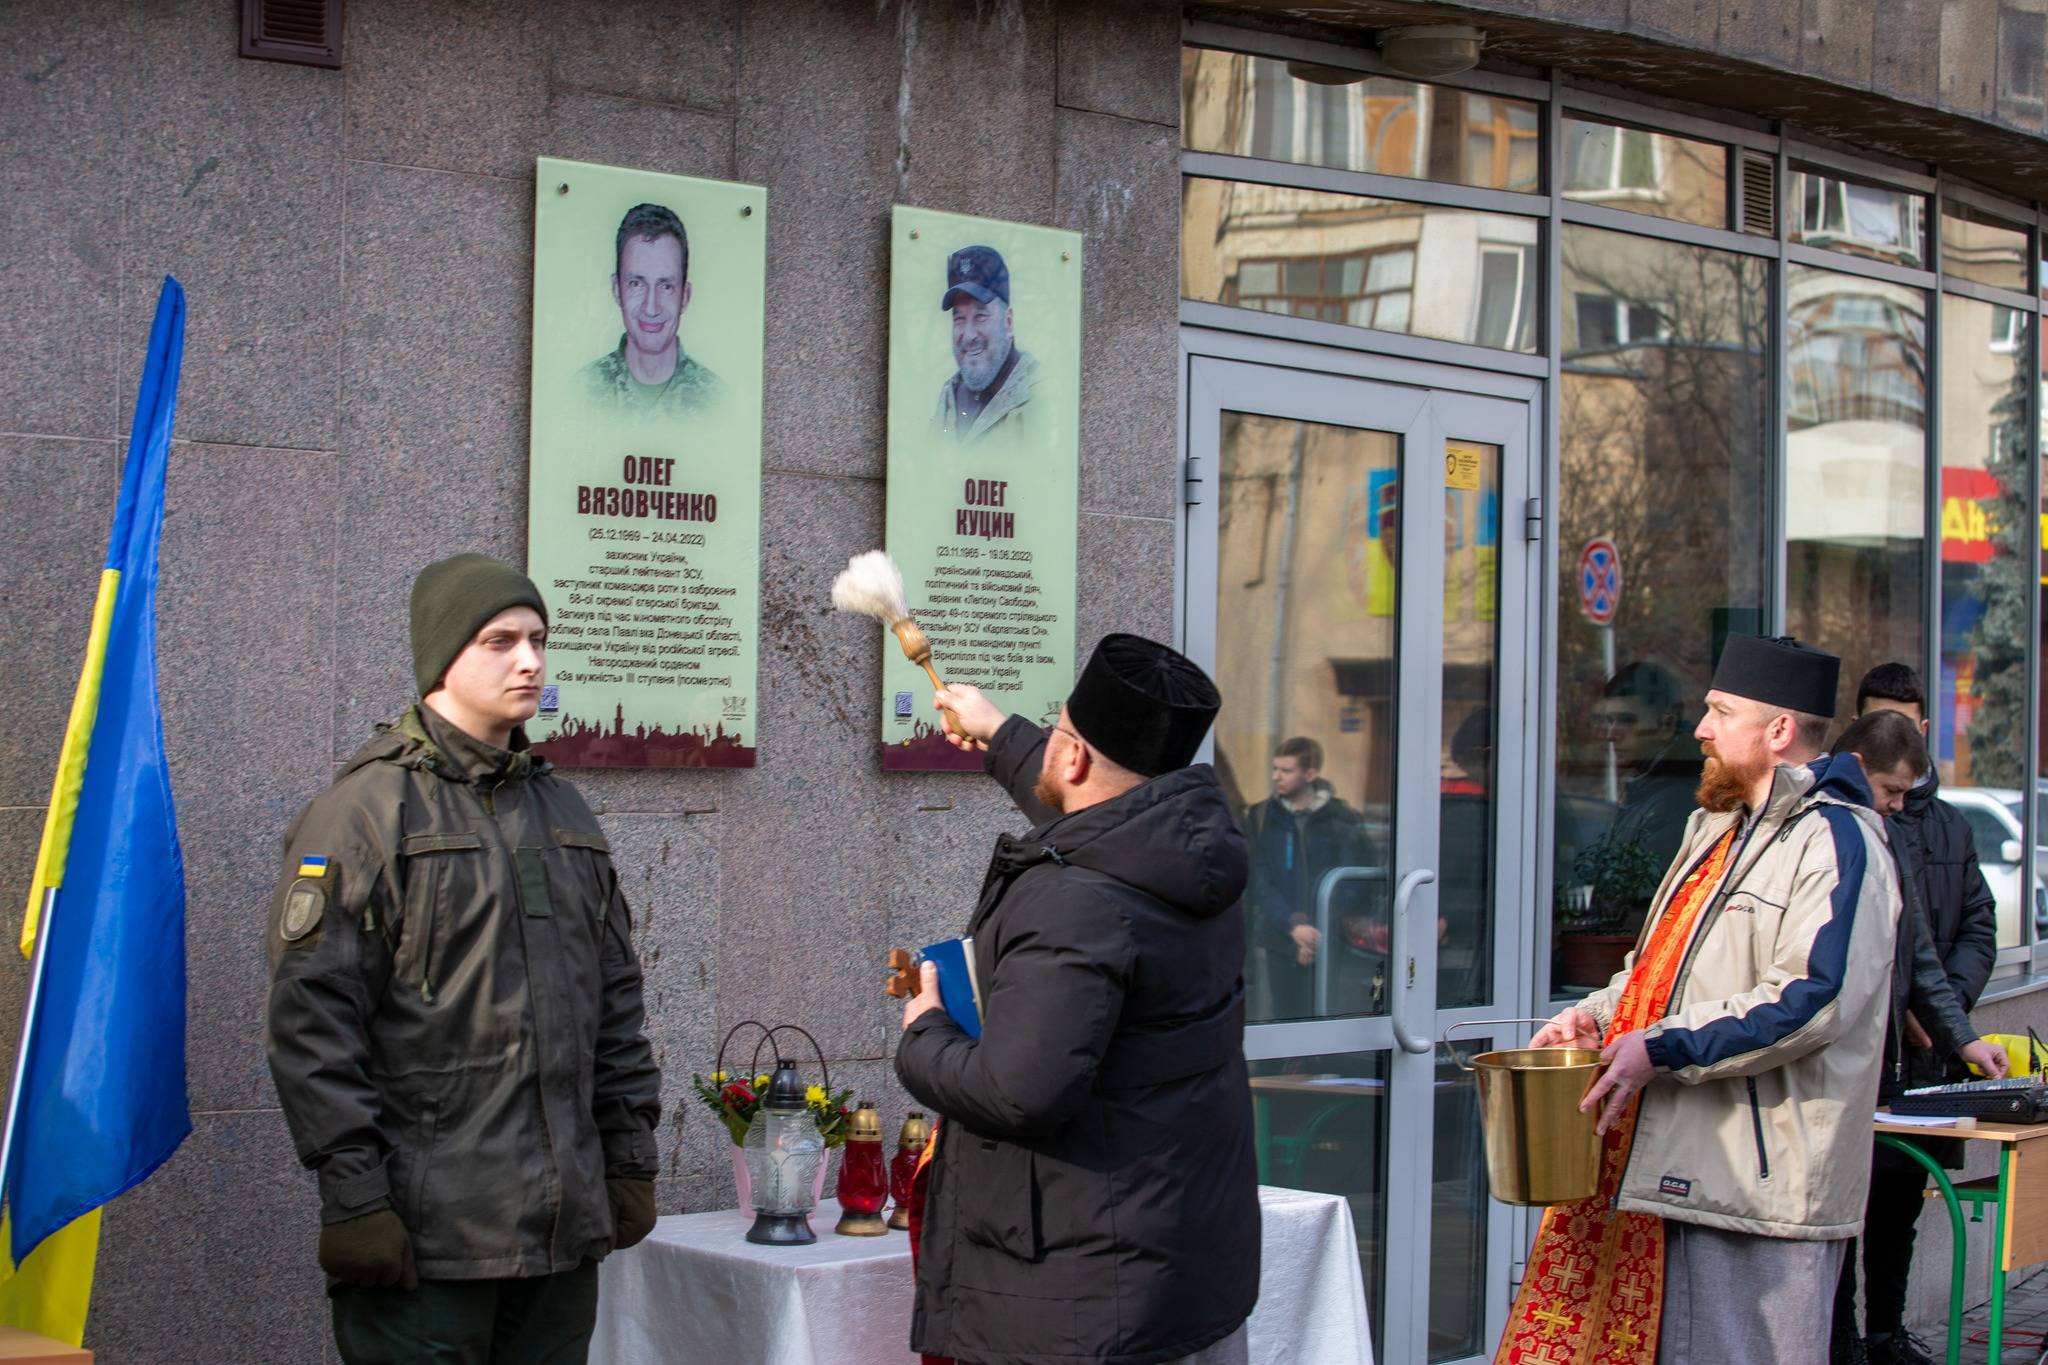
(1325, 950)
(1404, 965)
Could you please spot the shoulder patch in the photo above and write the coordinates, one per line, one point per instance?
(304, 904)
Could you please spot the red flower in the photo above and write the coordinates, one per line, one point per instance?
(738, 1094)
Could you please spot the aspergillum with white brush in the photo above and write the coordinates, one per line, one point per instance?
(872, 585)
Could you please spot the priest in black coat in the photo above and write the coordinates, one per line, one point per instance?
(1093, 1195)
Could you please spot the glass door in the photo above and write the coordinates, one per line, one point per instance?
(1351, 588)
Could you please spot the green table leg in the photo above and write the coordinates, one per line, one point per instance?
(1998, 1254)
(1958, 1271)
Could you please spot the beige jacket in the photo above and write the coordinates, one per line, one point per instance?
(1769, 1055)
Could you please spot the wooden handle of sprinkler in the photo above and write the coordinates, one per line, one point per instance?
(918, 650)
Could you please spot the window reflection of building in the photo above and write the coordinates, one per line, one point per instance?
(1862, 220)
(1663, 436)
(1645, 172)
(1856, 461)
(1427, 270)
(1242, 105)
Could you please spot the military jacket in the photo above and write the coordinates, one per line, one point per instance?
(1004, 409)
(455, 1019)
(692, 388)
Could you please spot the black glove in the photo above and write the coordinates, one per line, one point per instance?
(372, 1250)
(632, 1209)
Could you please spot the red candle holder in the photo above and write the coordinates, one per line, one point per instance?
(863, 1178)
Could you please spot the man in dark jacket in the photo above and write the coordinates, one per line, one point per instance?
(455, 1017)
(1093, 1193)
(1958, 924)
(1302, 832)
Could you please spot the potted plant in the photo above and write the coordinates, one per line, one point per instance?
(1597, 912)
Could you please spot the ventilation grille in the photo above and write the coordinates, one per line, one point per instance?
(307, 32)
(1759, 187)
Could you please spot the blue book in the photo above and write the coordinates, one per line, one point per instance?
(959, 991)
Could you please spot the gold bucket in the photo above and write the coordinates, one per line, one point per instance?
(1539, 1148)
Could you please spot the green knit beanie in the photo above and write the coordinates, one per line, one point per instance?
(452, 599)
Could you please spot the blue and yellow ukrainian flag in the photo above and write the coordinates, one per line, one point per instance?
(99, 1094)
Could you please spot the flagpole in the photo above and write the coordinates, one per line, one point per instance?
(28, 1025)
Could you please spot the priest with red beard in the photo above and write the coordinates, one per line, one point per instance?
(1743, 1041)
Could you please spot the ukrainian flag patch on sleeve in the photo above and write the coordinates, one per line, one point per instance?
(313, 865)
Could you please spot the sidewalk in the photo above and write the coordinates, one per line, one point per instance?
(2026, 1325)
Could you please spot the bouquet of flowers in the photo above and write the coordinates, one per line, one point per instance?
(735, 1099)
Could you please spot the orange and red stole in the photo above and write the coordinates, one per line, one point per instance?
(1594, 1290)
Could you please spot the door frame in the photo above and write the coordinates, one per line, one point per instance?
(1427, 407)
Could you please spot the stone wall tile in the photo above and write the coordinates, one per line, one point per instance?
(2022, 62)
(1119, 185)
(60, 272)
(233, 180)
(1696, 23)
(647, 137)
(801, 927)
(1763, 30)
(1906, 51)
(1121, 59)
(668, 869)
(247, 574)
(982, 143)
(434, 409)
(49, 572)
(1126, 580)
(1969, 54)
(21, 836)
(213, 1256)
(456, 85)
(1836, 40)
(649, 50)
(828, 153)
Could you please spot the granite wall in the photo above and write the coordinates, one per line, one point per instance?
(357, 247)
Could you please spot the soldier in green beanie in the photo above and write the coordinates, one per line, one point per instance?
(455, 1019)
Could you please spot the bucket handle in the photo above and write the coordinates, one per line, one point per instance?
(1445, 1037)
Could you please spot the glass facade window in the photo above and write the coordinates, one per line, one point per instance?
(1275, 110)
(1978, 247)
(1644, 172)
(1856, 470)
(1828, 210)
(1985, 592)
(1664, 441)
(1426, 270)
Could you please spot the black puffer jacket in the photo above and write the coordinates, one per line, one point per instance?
(1936, 845)
(1094, 1191)
(1920, 984)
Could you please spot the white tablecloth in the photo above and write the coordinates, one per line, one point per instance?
(696, 1292)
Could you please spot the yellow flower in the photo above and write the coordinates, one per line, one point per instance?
(761, 1081)
(815, 1095)
(718, 1078)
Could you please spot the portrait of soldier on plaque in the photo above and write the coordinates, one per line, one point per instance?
(650, 372)
(993, 378)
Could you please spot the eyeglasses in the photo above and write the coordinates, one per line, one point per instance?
(1056, 727)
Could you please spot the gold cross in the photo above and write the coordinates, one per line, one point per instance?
(1625, 1335)
(1631, 1294)
(1551, 1319)
(1569, 1273)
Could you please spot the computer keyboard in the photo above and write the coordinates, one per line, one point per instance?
(2015, 1099)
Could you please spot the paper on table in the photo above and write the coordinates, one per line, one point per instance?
(1927, 1120)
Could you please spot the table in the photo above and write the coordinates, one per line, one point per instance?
(2018, 1194)
(697, 1291)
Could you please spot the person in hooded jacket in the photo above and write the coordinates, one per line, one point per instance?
(1092, 1194)
(1958, 916)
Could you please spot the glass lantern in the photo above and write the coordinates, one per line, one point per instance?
(910, 1144)
(784, 1153)
(863, 1176)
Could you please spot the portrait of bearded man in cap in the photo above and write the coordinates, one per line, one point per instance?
(992, 379)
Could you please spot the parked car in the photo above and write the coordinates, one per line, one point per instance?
(1997, 818)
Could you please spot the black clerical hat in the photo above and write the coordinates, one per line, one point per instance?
(1142, 705)
(1779, 671)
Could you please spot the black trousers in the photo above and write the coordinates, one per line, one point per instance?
(543, 1320)
(1898, 1188)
